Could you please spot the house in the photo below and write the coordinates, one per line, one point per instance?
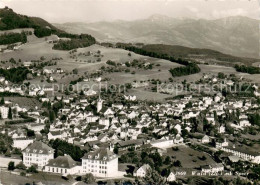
(123, 145)
(205, 139)
(4, 112)
(63, 165)
(104, 121)
(118, 106)
(222, 129)
(213, 168)
(101, 163)
(130, 98)
(90, 92)
(142, 171)
(171, 177)
(57, 135)
(37, 153)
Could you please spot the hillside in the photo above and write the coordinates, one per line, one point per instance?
(232, 35)
(194, 53)
(9, 20)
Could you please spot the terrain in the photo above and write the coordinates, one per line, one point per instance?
(89, 61)
(232, 35)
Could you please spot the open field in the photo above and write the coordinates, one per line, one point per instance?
(8, 178)
(189, 157)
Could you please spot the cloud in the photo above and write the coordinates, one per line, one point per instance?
(228, 13)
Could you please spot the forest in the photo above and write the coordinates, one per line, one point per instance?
(15, 75)
(10, 38)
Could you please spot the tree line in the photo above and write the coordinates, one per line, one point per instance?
(77, 41)
(247, 69)
(10, 38)
(191, 68)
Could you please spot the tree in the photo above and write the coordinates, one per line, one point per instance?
(115, 150)
(177, 163)
(20, 166)
(10, 114)
(30, 133)
(152, 177)
(51, 116)
(32, 169)
(167, 160)
(2, 102)
(165, 172)
(89, 178)
(11, 166)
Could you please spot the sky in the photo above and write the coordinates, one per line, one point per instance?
(61, 11)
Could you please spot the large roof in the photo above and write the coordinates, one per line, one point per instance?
(62, 162)
(38, 147)
(103, 154)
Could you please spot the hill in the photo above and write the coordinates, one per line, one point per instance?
(232, 35)
(199, 54)
(10, 20)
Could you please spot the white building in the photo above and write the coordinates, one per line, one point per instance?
(37, 153)
(99, 105)
(142, 171)
(243, 153)
(4, 112)
(63, 165)
(205, 139)
(101, 163)
(171, 177)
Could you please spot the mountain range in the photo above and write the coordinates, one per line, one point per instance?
(236, 35)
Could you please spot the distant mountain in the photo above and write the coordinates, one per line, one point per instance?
(232, 35)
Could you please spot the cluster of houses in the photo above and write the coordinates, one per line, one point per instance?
(122, 126)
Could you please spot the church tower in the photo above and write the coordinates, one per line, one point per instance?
(99, 104)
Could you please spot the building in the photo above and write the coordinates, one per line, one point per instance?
(205, 139)
(213, 168)
(142, 171)
(37, 153)
(101, 163)
(59, 134)
(171, 177)
(4, 112)
(243, 153)
(99, 104)
(63, 165)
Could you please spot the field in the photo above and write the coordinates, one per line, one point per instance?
(189, 157)
(87, 64)
(8, 178)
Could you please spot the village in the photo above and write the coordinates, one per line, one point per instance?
(125, 138)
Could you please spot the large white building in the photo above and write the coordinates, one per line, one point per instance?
(37, 153)
(101, 163)
(4, 112)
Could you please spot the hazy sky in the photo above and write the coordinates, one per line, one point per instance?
(59, 11)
